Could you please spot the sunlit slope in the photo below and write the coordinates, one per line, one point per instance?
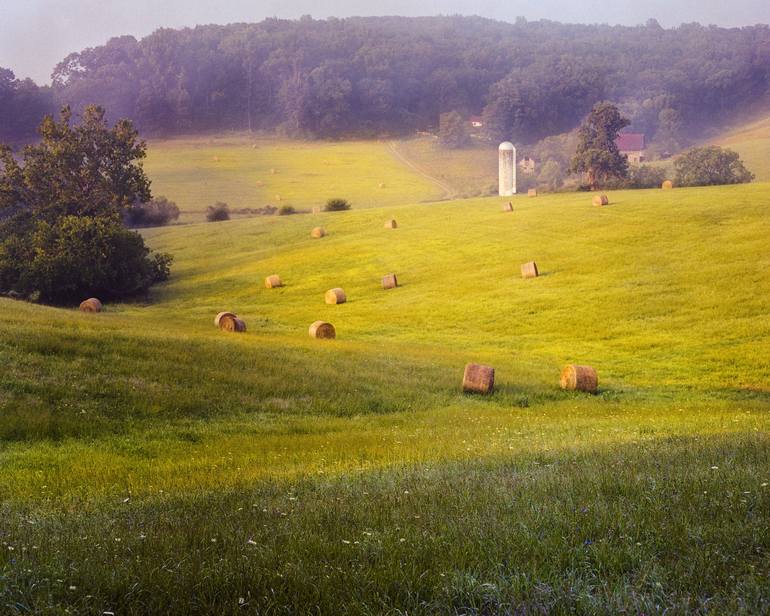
(752, 142)
(251, 173)
(658, 288)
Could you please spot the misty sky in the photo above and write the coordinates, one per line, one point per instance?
(36, 34)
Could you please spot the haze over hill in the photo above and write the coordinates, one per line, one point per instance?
(368, 77)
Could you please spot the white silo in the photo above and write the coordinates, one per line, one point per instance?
(507, 169)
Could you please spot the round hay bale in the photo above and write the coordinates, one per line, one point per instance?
(529, 270)
(478, 379)
(532, 192)
(667, 185)
(318, 232)
(508, 207)
(321, 330)
(232, 324)
(260, 183)
(316, 210)
(391, 224)
(273, 172)
(216, 159)
(600, 200)
(273, 281)
(389, 281)
(382, 185)
(222, 315)
(91, 305)
(579, 378)
(335, 296)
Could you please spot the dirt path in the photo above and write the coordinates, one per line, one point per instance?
(449, 191)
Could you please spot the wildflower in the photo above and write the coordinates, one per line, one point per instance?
(714, 468)
(241, 600)
(251, 542)
(73, 587)
(346, 542)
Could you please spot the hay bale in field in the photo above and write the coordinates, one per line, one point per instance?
(316, 210)
(478, 379)
(382, 184)
(600, 200)
(508, 207)
(278, 197)
(91, 305)
(322, 329)
(273, 172)
(667, 185)
(318, 232)
(529, 270)
(232, 324)
(335, 296)
(260, 183)
(391, 224)
(389, 281)
(532, 192)
(222, 315)
(579, 378)
(216, 159)
(273, 281)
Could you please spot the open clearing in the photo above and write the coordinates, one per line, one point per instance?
(245, 172)
(150, 463)
(752, 142)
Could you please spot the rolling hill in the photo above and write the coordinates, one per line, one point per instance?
(150, 463)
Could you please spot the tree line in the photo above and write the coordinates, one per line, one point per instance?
(391, 75)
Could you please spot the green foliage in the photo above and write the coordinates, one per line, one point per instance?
(80, 256)
(452, 130)
(22, 105)
(380, 75)
(709, 166)
(639, 176)
(61, 207)
(157, 212)
(217, 212)
(286, 210)
(336, 205)
(551, 175)
(597, 154)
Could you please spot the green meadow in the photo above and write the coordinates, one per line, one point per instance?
(246, 172)
(150, 463)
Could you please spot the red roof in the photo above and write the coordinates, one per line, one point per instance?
(630, 142)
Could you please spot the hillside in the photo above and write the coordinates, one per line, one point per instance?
(251, 173)
(152, 463)
(752, 142)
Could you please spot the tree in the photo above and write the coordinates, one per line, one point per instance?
(452, 131)
(551, 176)
(710, 166)
(597, 154)
(669, 134)
(61, 208)
(337, 205)
(218, 212)
(155, 213)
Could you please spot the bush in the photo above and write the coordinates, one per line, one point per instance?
(336, 205)
(218, 211)
(77, 257)
(157, 212)
(641, 176)
(286, 210)
(710, 166)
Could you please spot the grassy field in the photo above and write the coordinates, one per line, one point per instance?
(150, 463)
(245, 172)
(467, 172)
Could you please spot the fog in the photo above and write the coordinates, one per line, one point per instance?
(36, 34)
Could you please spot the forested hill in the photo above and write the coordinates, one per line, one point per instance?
(369, 76)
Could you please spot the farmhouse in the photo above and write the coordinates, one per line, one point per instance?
(632, 145)
(476, 121)
(527, 165)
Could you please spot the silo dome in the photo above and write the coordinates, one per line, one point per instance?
(506, 145)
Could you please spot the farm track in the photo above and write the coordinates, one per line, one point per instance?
(449, 191)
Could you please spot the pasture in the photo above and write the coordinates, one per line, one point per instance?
(150, 463)
(246, 172)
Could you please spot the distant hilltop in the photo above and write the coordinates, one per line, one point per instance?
(369, 77)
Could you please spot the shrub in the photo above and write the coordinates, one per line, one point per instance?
(286, 210)
(80, 256)
(337, 205)
(218, 211)
(710, 166)
(157, 212)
